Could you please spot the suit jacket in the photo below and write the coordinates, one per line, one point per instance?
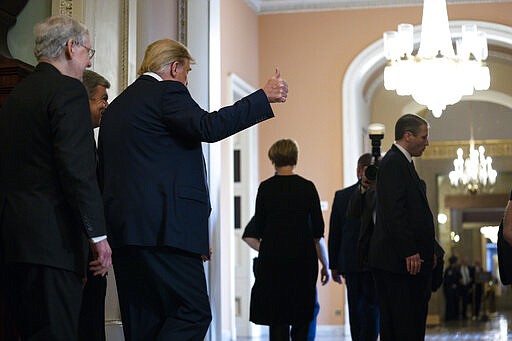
(404, 224)
(438, 271)
(362, 207)
(504, 257)
(343, 233)
(49, 195)
(152, 167)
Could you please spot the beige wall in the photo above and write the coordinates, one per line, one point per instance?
(239, 44)
(314, 51)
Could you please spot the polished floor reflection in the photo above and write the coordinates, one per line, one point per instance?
(497, 328)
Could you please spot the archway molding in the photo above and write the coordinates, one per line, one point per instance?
(360, 75)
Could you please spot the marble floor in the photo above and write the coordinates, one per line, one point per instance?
(498, 327)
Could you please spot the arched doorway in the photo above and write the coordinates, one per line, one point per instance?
(365, 76)
(364, 101)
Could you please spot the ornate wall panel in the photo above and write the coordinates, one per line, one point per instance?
(72, 8)
(448, 150)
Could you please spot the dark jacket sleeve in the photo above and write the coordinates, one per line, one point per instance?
(317, 220)
(259, 214)
(73, 144)
(437, 273)
(504, 257)
(336, 222)
(250, 230)
(183, 116)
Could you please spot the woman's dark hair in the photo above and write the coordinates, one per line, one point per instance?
(284, 152)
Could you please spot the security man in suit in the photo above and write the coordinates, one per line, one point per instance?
(50, 202)
(345, 256)
(402, 244)
(156, 195)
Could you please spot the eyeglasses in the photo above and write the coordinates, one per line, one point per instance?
(90, 51)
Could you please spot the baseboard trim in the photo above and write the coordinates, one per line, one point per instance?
(333, 330)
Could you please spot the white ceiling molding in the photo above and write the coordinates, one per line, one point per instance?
(290, 6)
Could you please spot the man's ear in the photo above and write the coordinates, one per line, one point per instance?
(174, 69)
(68, 48)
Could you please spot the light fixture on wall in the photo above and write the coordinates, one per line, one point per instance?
(474, 173)
(454, 237)
(436, 76)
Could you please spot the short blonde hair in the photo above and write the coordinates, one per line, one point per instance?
(284, 152)
(163, 52)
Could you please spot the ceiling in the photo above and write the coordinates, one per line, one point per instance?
(454, 126)
(288, 6)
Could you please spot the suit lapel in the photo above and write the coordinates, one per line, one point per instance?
(414, 175)
(419, 182)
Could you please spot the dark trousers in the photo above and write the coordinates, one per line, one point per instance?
(282, 332)
(477, 299)
(403, 303)
(465, 299)
(43, 302)
(451, 300)
(363, 308)
(162, 294)
(91, 326)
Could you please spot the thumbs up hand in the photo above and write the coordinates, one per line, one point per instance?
(276, 88)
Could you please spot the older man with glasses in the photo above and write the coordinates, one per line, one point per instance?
(49, 196)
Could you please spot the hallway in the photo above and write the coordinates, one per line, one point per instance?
(496, 328)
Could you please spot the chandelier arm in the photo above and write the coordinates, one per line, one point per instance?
(436, 76)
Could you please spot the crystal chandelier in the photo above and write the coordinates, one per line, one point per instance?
(436, 76)
(475, 172)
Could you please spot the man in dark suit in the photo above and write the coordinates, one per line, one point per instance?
(344, 254)
(91, 326)
(478, 289)
(451, 284)
(156, 195)
(402, 245)
(465, 286)
(50, 202)
(96, 86)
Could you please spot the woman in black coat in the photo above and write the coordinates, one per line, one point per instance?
(290, 225)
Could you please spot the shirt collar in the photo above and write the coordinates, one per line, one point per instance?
(154, 75)
(405, 152)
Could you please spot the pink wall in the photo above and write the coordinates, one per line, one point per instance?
(314, 51)
(239, 44)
